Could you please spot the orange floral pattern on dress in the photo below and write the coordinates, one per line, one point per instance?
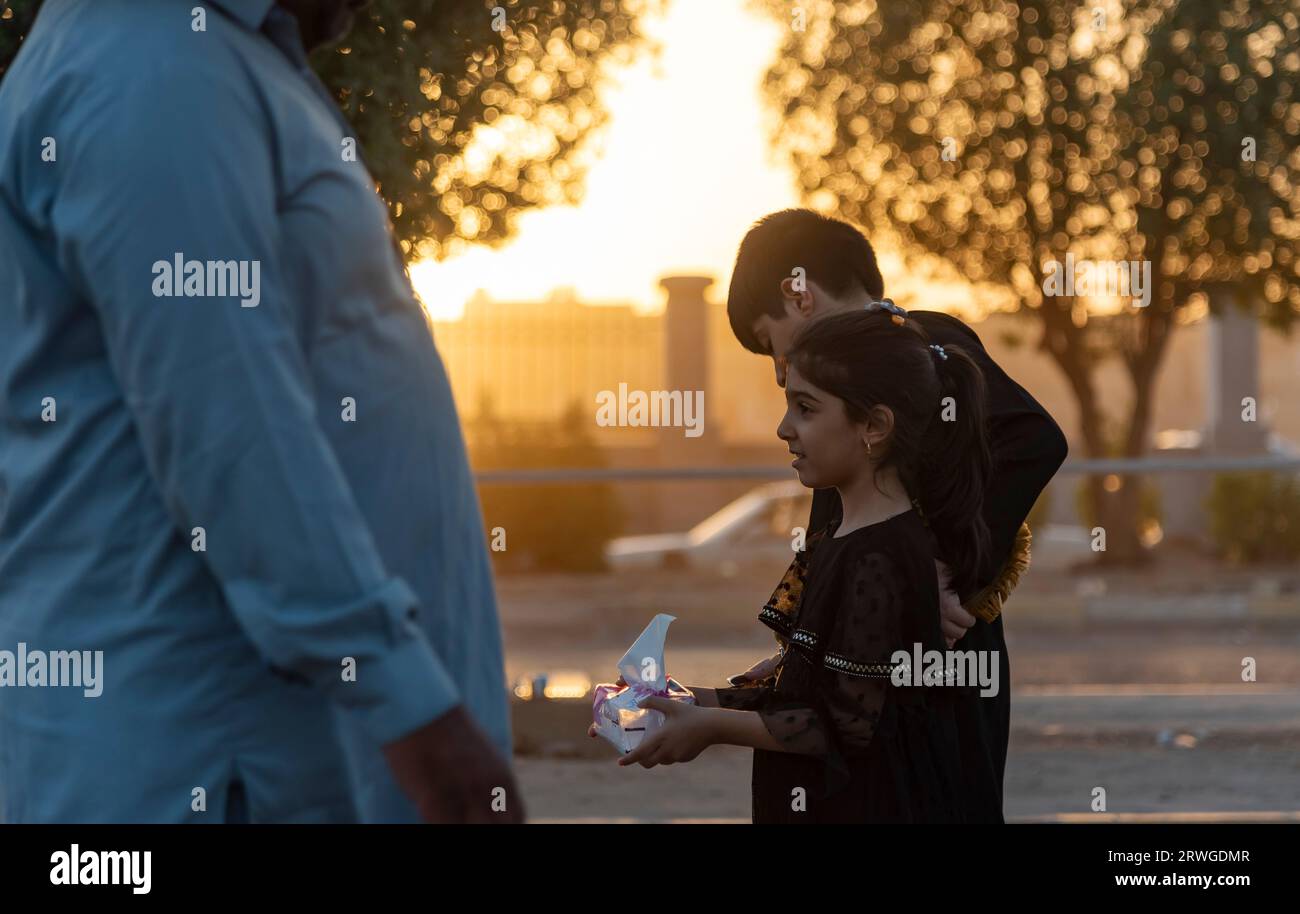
(788, 595)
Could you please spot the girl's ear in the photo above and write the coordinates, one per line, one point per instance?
(879, 425)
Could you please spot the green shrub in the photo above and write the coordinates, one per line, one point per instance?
(1150, 509)
(1255, 517)
(549, 527)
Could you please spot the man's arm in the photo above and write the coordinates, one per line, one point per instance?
(176, 158)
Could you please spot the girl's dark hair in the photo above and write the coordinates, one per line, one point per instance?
(939, 444)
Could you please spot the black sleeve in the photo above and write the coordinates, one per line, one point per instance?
(1028, 446)
(749, 697)
(857, 660)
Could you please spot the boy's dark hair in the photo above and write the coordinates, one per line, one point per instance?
(939, 446)
(834, 254)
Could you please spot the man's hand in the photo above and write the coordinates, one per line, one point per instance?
(686, 732)
(953, 620)
(451, 772)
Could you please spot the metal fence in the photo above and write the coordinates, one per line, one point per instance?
(1136, 465)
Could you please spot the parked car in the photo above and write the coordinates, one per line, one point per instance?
(1058, 547)
(756, 528)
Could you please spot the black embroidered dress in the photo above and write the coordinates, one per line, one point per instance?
(863, 749)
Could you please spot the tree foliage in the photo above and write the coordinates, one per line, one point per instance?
(468, 117)
(1001, 135)
(465, 115)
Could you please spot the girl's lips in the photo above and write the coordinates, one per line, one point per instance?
(795, 463)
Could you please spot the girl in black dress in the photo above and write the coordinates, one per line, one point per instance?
(840, 732)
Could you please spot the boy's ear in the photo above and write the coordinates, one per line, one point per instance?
(802, 302)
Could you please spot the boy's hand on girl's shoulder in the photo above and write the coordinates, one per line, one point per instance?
(953, 618)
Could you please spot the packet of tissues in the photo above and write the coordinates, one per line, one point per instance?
(618, 717)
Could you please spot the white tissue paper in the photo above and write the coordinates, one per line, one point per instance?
(617, 716)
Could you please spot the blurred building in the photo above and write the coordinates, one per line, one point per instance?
(529, 361)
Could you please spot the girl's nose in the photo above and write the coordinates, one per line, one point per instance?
(783, 431)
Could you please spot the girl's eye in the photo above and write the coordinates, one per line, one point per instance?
(803, 409)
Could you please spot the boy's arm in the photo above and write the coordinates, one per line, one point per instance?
(1028, 447)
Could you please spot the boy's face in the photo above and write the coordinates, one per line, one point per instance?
(776, 334)
(829, 447)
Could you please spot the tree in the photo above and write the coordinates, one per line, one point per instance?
(1208, 160)
(465, 115)
(1006, 135)
(16, 17)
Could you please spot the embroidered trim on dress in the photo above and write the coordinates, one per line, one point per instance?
(865, 670)
(804, 638)
(837, 663)
(782, 609)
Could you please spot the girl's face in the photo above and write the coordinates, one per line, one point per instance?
(830, 449)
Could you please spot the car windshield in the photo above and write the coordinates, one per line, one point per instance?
(738, 510)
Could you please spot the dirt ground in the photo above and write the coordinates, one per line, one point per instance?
(1252, 783)
(1152, 708)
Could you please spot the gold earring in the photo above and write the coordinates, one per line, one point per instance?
(868, 448)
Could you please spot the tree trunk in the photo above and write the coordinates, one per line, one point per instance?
(1065, 344)
(1118, 513)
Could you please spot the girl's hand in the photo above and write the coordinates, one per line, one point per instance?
(686, 732)
(761, 670)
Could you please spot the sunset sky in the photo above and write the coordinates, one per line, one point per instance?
(684, 169)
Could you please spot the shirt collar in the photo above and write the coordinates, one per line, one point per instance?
(248, 13)
(277, 23)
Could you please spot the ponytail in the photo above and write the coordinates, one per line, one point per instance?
(954, 467)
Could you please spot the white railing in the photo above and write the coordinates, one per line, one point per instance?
(1073, 467)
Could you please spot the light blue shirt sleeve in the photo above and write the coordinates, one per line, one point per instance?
(221, 394)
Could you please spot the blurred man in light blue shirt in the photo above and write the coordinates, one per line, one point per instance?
(229, 455)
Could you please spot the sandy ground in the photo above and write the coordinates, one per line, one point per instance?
(1154, 710)
(1223, 753)
(1043, 784)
